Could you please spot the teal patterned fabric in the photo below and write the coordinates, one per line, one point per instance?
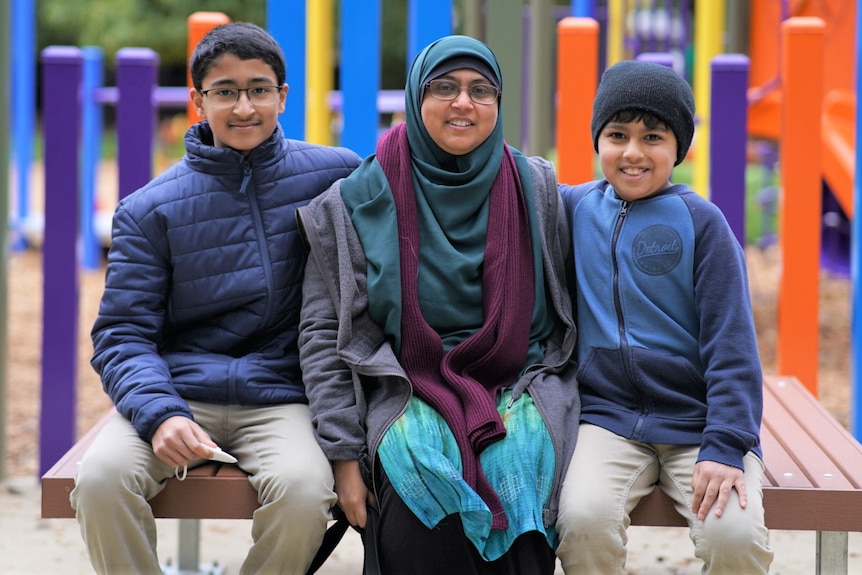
(421, 459)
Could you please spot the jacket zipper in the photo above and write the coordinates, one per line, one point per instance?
(251, 193)
(625, 354)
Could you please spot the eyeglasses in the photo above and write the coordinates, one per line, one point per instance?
(257, 95)
(448, 90)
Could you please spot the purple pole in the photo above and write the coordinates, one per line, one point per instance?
(136, 117)
(728, 138)
(62, 73)
(662, 58)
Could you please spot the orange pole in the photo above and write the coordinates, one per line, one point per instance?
(800, 211)
(577, 81)
(199, 23)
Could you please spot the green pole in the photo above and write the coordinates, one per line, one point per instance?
(541, 109)
(5, 129)
(471, 16)
(505, 36)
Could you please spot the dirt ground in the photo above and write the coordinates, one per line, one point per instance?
(25, 329)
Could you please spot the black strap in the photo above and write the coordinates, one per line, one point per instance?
(371, 565)
(330, 541)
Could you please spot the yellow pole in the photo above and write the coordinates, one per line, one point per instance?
(616, 28)
(319, 71)
(709, 24)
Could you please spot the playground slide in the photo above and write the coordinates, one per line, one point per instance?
(837, 131)
(839, 114)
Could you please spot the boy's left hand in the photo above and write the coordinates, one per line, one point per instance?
(712, 484)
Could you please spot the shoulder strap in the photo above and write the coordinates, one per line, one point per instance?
(331, 539)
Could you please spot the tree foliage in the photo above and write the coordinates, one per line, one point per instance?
(161, 25)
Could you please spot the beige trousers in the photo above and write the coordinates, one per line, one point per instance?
(274, 444)
(607, 477)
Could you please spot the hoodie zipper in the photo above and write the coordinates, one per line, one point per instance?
(625, 354)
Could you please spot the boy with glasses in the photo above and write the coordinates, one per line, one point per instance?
(196, 338)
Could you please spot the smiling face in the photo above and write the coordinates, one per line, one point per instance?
(637, 160)
(459, 126)
(242, 126)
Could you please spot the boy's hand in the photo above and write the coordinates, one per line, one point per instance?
(179, 440)
(712, 484)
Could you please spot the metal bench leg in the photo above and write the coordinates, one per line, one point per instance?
(832, 553)
(189, 553)
(189, 545)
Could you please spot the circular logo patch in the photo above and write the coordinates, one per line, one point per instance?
(657, 249)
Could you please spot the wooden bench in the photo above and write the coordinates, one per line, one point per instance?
(210, 491)
(813, 478)
(813, 481)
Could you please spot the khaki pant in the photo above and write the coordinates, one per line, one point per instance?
(607, 477)
(274, 444)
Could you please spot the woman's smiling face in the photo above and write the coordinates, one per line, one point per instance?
(459, 126)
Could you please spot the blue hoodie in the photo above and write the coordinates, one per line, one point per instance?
(667, 349)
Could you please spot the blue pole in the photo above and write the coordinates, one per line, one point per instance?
(583, 8)
(856, 258)
(427, 20)
(23, 107)
(727, 139)
(360, 74)
(61, 121)
(91, 153)
(286, 22)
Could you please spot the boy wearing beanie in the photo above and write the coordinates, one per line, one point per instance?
(669, 372)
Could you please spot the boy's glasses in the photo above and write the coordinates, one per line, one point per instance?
(448, 90)
(257, 95)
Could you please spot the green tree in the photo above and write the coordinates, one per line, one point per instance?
(160, 25)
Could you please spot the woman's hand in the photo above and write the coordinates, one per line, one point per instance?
(351, 491)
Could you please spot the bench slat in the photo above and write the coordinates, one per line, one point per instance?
(796, 435)
(829, 437)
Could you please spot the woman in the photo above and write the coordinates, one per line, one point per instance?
(436, 332)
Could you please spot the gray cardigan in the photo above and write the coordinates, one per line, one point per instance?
(356, 386)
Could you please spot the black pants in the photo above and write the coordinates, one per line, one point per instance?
(405, 546)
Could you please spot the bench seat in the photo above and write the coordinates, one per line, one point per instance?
(813, 479)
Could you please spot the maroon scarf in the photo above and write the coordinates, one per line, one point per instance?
(462, 385)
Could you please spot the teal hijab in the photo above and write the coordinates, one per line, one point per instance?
(452, 202)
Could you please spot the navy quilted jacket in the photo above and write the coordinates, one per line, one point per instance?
(203, 284)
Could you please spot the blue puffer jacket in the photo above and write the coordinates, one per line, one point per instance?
(203, 285)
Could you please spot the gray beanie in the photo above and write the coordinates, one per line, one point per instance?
(649, 87)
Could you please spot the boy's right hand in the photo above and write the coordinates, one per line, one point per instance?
(712, 484)
(179, 440)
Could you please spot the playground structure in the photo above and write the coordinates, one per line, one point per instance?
(136, 73)
(775, 110)
(58, 428)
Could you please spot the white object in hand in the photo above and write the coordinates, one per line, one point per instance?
(223, 456)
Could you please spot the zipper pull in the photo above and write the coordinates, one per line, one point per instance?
(624, 210)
